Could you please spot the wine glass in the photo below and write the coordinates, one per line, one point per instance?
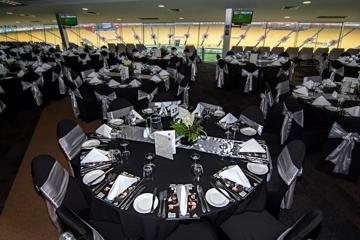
(223, 146)
(194, 157)
(149, 158)
(118, 156)
(235, 130)
(148, 172)
(198, 170)
(126, 152)
(228, 132)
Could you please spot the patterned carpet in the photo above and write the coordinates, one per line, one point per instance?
(338, 199)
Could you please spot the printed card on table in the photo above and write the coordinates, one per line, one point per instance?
(165, 144)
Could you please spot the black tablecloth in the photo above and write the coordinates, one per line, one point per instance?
(167, 172)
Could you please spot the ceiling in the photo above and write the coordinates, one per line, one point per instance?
(191, 10)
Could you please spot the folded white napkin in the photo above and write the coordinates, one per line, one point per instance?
(136, 115)
(95, 81)
(228, 119)
(182, 195)
(312, 78)
(95, 155)
(235, 174)
(302, 90)
(198, 110)
(135, 83)
(251, 146)
(155, 78)
(353, 111)
(335, 94)
(40, 70)
(234, 61)
(21, 74)
(156, 69)
(163, 73)
(113, 83)
(121, 184)
(46, 66)
(104, 130)
(309, 84)
(328, 83)
(93, 74)
(276, 63)
(321, 101)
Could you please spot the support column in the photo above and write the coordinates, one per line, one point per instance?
(63, 34)
(227, 31)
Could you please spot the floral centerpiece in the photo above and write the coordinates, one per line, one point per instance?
(187, 127)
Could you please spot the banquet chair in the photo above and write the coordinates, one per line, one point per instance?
(335, 72)
(95, 62)
(263, 226)
(121, 48)
(253, 117)
(129, 48)
(249, 78)
(72, 62)
(221, 75)
(287, 167)
(264, 50)
(353, 51)
(341, 149)
(54, 84)
(293, 52)
(70, 138)
(306, 55)
(267, 100)
(140, 47)
(319, 53)
(119, 108)
(193, 231)
(335, 53)
(249, 48)
(237, 49)
(85, 70)
(57, 188)
(105, 95)
(3, 100)
(32, 86)
(277, 50)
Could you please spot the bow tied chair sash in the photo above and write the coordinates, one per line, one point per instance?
(119, 113)
(288, 173)
(220, 75)
(185, 91)
(259, 128)
(105, 102)
(341, 156)
(172, 72)
(338, 71)
(282, 88)
(73, 95)
(298, 117)
(72, 141)
(34, 86)
(150, 96)
(193, 70)
(2, 107)
(1, 89)
(104, 60)
(266, 102)
(249, 79)
(283, 72)
(61, 82)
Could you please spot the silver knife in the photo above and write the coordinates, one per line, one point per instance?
(219, 190)
(134, 197)
(204, 199)
(163, 215)
(153, 200)
(129, 197)
(131, 193)
(160, 203)
(203, 209)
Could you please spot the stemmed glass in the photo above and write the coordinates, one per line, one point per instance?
(197, 171)
(194, 157)
(223, 146)
(149, 158)
(126, 152)
(228, 132)
(118, 156)
(235, 130)
(148, 172)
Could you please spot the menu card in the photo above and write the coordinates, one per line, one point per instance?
(165, 144)
(176, 201)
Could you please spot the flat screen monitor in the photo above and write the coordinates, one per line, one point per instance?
(68, 20)
(241, 17)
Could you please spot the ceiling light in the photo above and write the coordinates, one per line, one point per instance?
(181, 18)
(307, 2)
(9, 13)
(161, 6)
(118, 19)
(17, 22)
(54, 21)
(287, 17)
(22, 15)
(12, 3)
(85, 9)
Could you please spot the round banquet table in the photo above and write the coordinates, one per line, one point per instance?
(166, 172)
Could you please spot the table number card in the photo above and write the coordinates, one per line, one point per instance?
(165, 144)
(174, 110)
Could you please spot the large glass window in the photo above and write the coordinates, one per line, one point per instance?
(250, 35)
(280, 35)
(350, 37)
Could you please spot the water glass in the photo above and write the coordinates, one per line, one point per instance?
(148, 172)
(198, 170)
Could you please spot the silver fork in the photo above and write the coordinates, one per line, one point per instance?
(164, 204)
(161, 196)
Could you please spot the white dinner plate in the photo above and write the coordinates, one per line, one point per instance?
(257, 168)
(216, 199)
(332, 108)
(90, 176)
(143, 202)
(219, 113)
(116, 122)
(91, 143)
(248, 131)
(148, 110)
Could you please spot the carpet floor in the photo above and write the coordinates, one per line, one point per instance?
(24, 215)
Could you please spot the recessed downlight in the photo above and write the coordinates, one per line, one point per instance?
(161, 6)
(306, 2)
(85, 9)
(54, 21)
(9, 13)
(17, 22)
(287, 17)
(181, 18)
(118, 19)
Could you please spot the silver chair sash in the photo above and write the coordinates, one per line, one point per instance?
(60, 79)
(1, 89)
(149, 96)
(339, 71)
(266, 102)
(342, 155)
(288, 173)
(186, 97)
(282, 88)
(298, 117)
(283, 72)
(72, 141)
(34, 89)
(359, 76)
(220, 75)
(86, 73)
(53, 216)
(96, 235)
(193, 70)
(105, 102)
(73, 95)
(182, 89)
(55, 186)
(259, 128)
(249, 80)
(119, 113)
(2, 106)
(172, 72)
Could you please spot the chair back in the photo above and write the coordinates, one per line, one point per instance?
(237, 49)
(353, 51)
(306, 53)
(277, 50)
(335, 53)
(293, 52)
(319, 53)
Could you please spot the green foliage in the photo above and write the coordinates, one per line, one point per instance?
(192, 133)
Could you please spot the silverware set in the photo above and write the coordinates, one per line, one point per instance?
(162, 205)
(221, 192)
(129, 199)
(204, 205)
(231, 193)
(252, 176)
(108, 179)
